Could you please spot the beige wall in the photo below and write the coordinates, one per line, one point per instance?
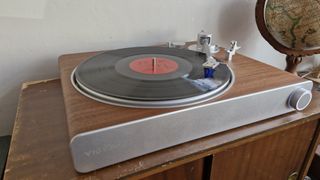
(34, 33)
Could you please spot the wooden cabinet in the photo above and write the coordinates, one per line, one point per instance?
(272, 157)
(193, 170)
(268, 150)
(314, 170)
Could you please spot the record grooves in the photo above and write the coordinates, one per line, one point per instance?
(150, 77)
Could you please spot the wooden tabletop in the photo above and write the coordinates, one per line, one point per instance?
(39, 147)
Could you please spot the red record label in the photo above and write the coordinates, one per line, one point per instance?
(153, 65)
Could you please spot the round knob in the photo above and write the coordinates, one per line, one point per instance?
(300, 99)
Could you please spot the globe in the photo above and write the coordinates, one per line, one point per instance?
(290, 26)
(294, 23)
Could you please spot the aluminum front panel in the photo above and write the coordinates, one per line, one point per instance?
(99, 148)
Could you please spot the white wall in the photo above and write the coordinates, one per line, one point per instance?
(34, 33)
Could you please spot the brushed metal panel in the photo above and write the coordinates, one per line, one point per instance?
(99, 148)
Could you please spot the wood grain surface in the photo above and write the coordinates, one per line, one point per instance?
(311, 154)
(250, 76)
(270, 158)
(39, 147)
(189, 171)
(314, 170)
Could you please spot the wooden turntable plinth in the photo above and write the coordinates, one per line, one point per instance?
(259, 91)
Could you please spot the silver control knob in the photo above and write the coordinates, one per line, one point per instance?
(300, 99)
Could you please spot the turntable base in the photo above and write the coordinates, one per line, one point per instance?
(40, 146)
(103, 134)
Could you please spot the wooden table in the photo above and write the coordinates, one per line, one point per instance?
(271, 149)
(314, 170)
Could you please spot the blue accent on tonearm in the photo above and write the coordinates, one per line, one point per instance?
(208, 72)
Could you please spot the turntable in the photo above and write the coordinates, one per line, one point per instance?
(124, 103)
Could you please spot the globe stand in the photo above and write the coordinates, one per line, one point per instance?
(292, 63)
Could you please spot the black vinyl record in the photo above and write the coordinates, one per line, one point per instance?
(146, 74)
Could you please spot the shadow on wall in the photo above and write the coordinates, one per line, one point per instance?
(146, 38)
(45, 69)
(236, 21)
(7, 112)
(309, 62)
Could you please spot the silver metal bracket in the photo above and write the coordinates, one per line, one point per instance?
(179, 45)
(232, 50)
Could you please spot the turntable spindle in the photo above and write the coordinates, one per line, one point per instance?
(154, 64)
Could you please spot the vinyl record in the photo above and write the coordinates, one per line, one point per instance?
(148, 76)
